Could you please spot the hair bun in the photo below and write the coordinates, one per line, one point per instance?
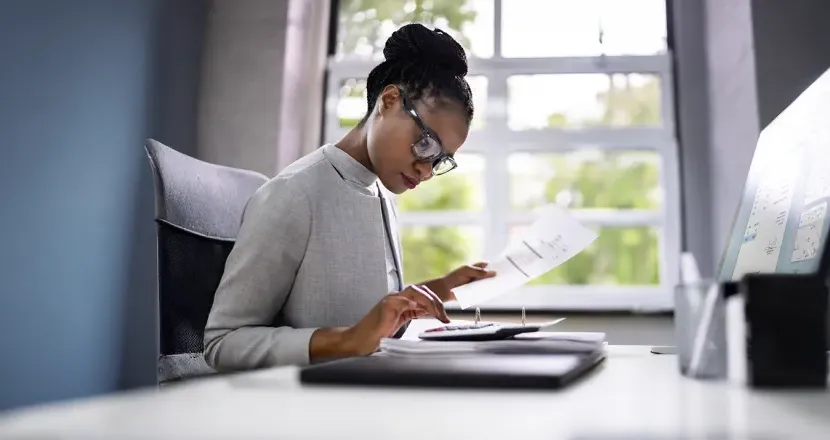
(416, 43)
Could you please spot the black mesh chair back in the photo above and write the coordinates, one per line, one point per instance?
(199, 208)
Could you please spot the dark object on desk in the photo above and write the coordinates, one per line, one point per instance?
(786, 327)
(479, 371)
(198, 211)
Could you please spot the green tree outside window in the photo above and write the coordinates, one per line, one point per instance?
(362, 22)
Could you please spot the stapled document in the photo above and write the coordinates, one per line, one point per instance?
(528, 343)
(554, 238)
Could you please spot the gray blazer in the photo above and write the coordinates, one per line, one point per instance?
(309, 254)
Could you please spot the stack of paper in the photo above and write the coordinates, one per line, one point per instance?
(550, 342)
(527, 343)
(399, 347)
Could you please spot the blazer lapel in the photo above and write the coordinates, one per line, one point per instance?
(390, 216)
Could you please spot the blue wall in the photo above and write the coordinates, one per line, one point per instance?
(82, 84)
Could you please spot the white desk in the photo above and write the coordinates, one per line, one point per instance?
(633, 395)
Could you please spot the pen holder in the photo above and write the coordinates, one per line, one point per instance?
(699, 323)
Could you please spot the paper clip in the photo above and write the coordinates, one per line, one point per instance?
(523, 316)
(478, 316)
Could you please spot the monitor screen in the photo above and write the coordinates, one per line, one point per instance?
(781, 224)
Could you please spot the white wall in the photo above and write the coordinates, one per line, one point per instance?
(733, 109)
(242, 85)
(691, 76)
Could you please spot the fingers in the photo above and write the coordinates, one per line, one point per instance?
(428, 300)
(400, 305)
(400, 321)
(409, 315)
(400, 310)
(436, 302)
(478, 271)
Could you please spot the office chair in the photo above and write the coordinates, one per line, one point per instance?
(199, 208)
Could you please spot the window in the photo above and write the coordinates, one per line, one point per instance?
(573, 106)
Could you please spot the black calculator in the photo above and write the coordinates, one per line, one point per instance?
(476, 332)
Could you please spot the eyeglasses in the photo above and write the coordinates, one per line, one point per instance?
(429, 147)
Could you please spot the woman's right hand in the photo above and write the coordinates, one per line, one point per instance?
(390, 314)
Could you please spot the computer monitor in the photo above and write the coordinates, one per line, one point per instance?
(781, 225)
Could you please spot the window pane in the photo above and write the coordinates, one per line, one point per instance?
(352, 105)
(478, 85)
(351, 102)
(582, 100)
(461, 189)
(543, 28)
(366, 24)
(586, 179)
(430, 252)
(620, 256)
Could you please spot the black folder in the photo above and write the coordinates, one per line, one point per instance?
(537, 371)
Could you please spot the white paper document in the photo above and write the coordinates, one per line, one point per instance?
(554, 238)
(526, 343)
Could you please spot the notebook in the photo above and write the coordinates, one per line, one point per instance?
(544, 360)
(501, 371)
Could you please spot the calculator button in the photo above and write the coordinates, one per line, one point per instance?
(458, 328)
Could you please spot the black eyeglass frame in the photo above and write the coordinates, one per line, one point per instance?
(409, 108)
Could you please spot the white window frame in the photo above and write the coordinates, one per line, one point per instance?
(491, 141)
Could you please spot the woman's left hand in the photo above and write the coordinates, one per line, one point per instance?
(463, 275)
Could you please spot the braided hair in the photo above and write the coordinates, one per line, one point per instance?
(425, 63)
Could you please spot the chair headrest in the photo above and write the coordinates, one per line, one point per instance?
(205, 198)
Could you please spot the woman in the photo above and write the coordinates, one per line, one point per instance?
(318, 252)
